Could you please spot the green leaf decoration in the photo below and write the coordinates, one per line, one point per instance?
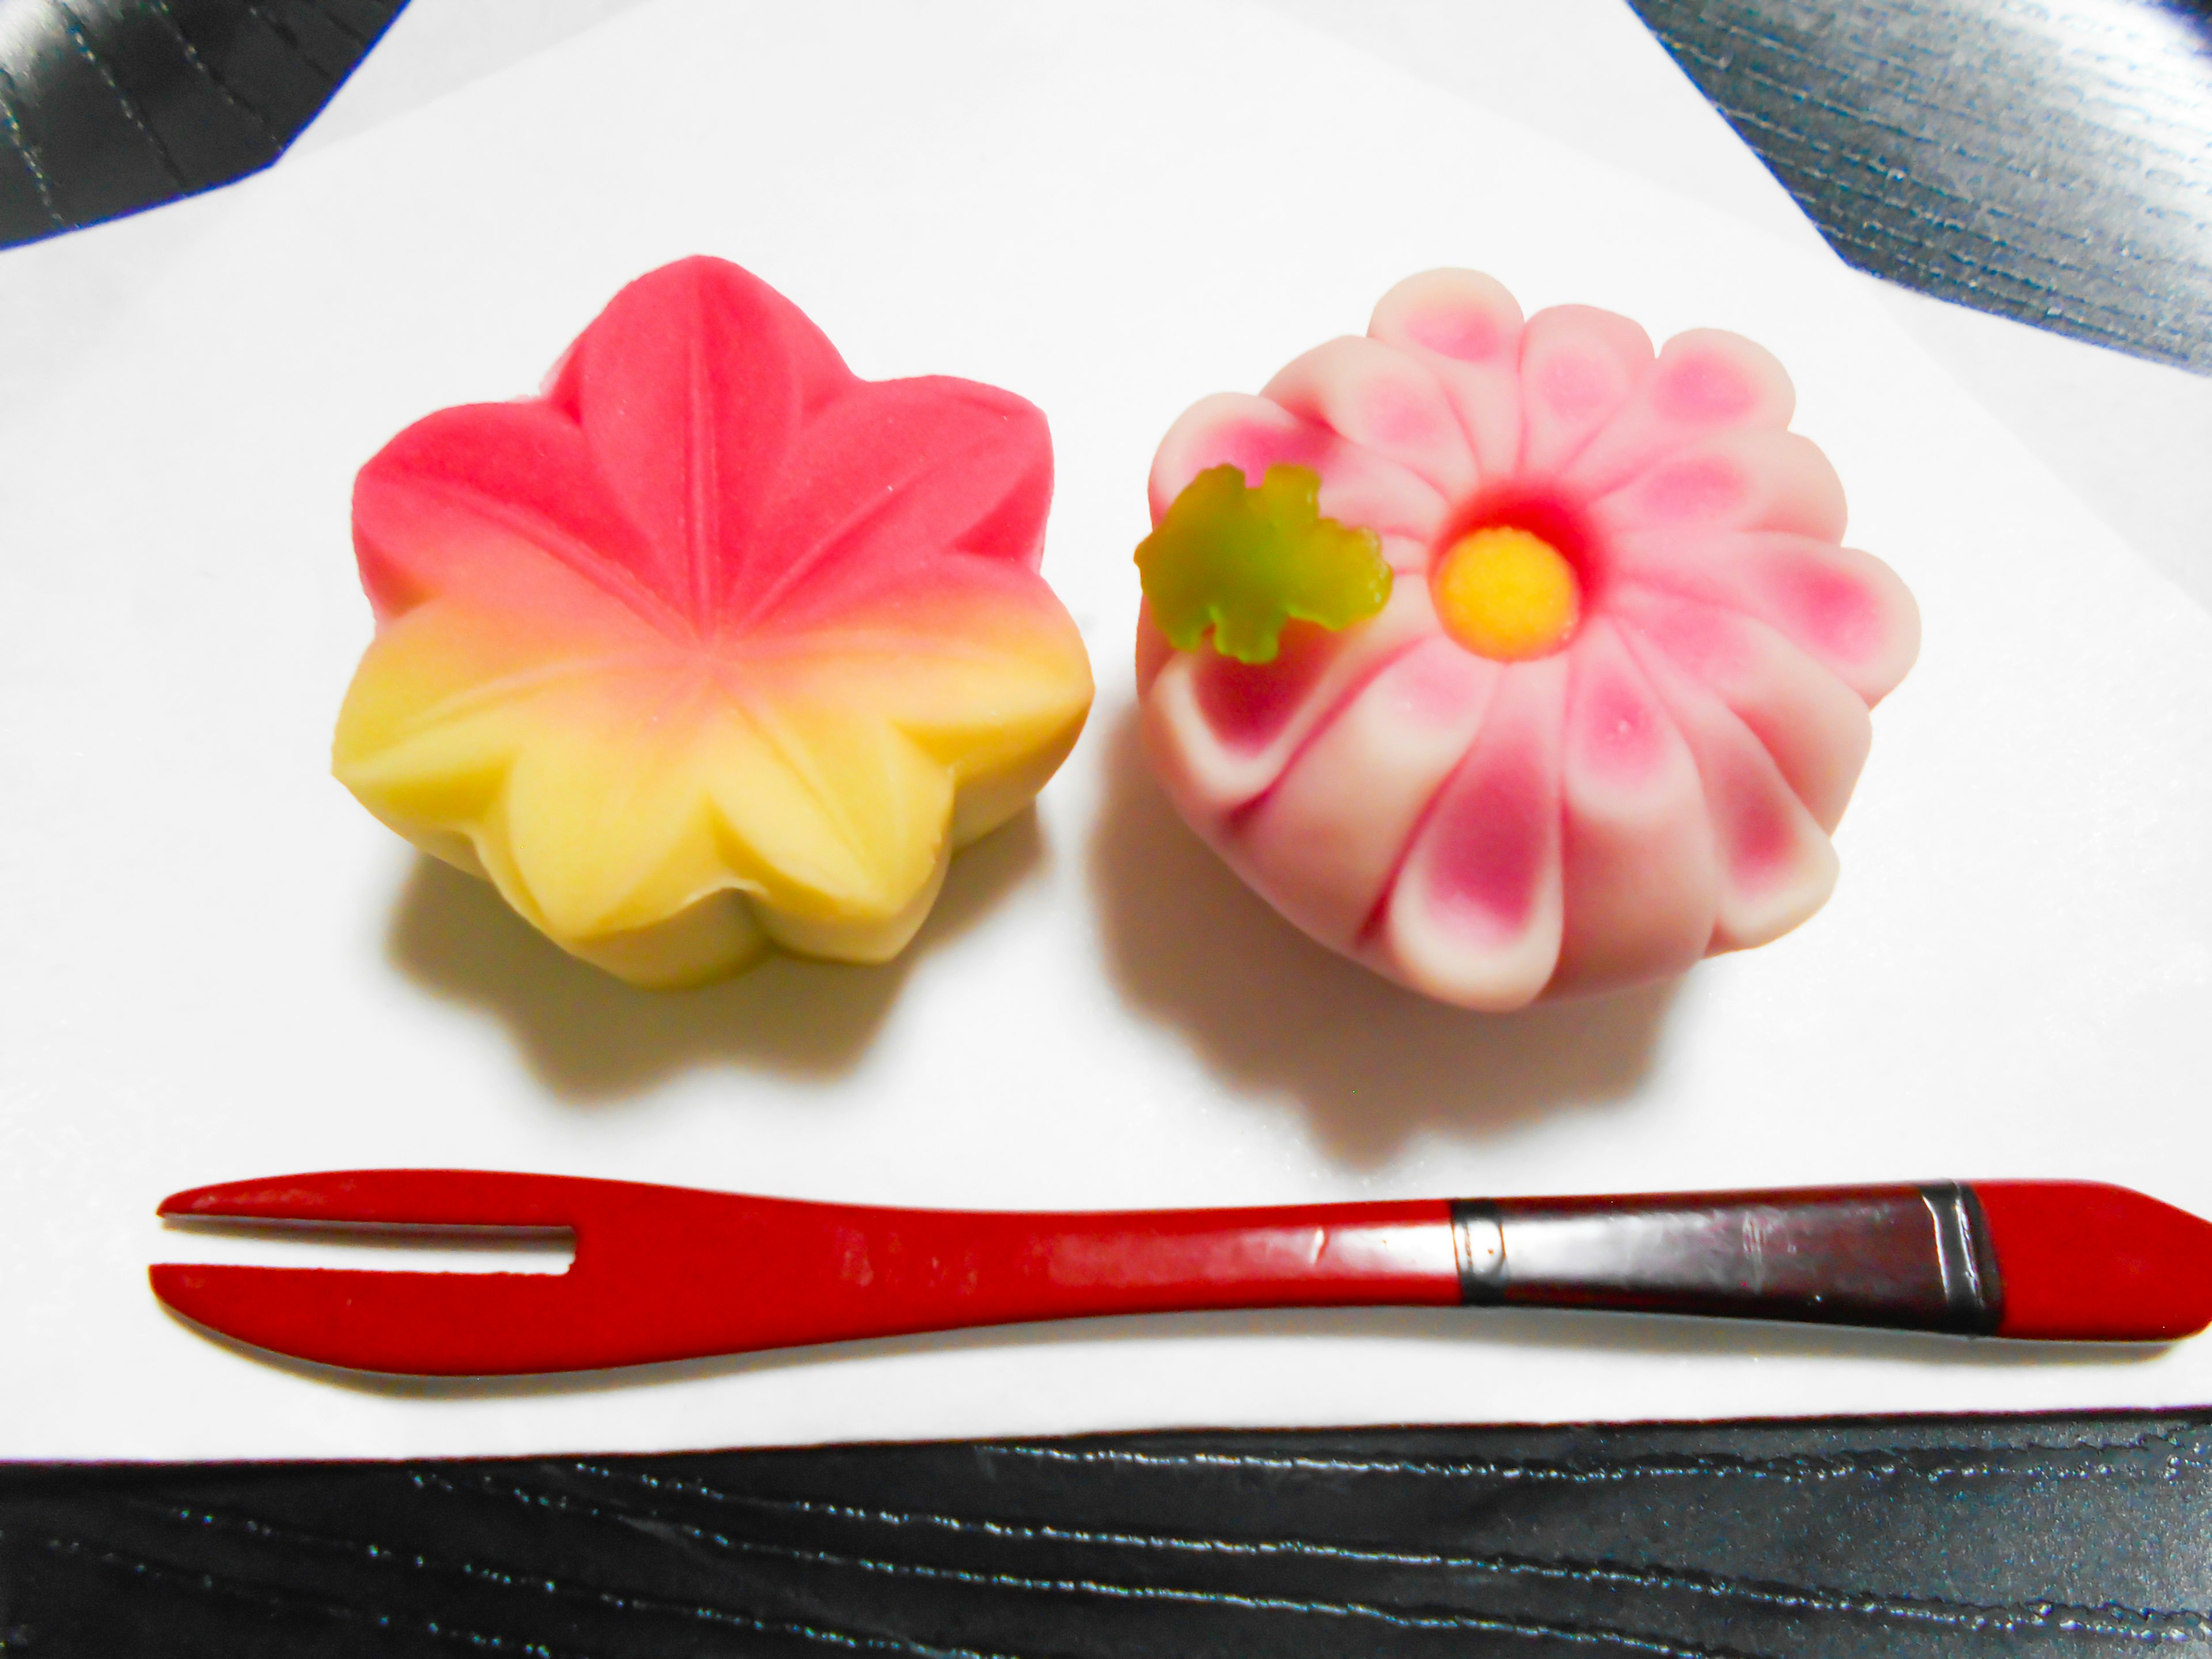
(1243, 562)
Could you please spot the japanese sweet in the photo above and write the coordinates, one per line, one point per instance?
(1512, 657)
(711, 645)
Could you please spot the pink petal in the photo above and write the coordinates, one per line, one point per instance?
(1384, 399)
(1475, 917)
(1708, 379)
(1737, 481)
(1358, 487)
(1814, 725)
(1579, 367)
(884, 480)
(690, 388)
(1220, 732)
(1467, 328)
(1846, 609)
(1321, 844)
(502, 499)
(1642, 872)
(1777, 866)
(1705, 381)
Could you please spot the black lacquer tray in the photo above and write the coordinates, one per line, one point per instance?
(1972, 148)
(1960, 1536)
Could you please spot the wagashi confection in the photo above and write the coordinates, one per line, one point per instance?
(1512, 657)
(711, 645)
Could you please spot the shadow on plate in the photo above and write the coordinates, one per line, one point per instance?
(588, 1036)
(1270, 1010)
(1598, 1335)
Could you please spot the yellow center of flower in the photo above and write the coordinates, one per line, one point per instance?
(1507, 595)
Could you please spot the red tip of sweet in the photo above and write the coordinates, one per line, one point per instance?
(2083, 1261)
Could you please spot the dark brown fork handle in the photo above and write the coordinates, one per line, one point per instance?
(1901, 1257)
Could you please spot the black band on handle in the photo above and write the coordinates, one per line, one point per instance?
(1967, 1259)
(1901, 1257)
(1478, 1242)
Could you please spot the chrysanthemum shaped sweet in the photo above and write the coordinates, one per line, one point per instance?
(712, 645)
(1617, 698)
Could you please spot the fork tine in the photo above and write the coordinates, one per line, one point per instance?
(435, 1324)
(656, 1274)
(431, 1198)
(425, 1324)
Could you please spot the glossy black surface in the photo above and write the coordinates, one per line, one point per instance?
(107, 106)
(2007, 1536)
(2049, 160)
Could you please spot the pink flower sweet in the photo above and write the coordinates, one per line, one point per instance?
(1618, 698)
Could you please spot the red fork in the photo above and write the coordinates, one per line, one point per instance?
(667, 1272)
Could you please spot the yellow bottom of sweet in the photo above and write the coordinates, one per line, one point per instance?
(726, 932)
(670, 814)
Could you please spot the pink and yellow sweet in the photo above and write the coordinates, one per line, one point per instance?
(711, 646)
(1511, 657)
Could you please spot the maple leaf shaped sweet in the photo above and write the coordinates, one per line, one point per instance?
(713, 645)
